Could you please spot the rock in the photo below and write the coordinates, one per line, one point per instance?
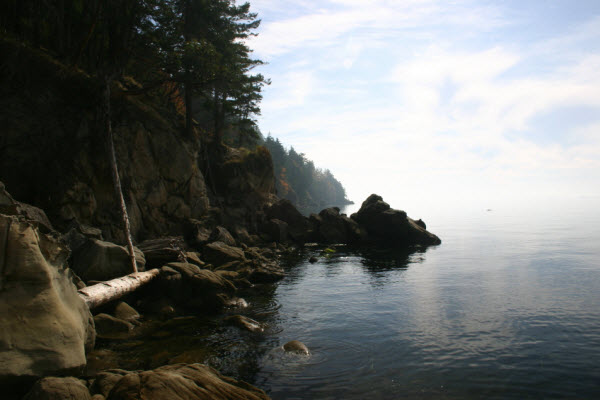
(277, 230)
(244, 323)
(100, 360)
(194, 258)
(107, 325)
(195, 233)
(159, 252)
(125, 312)
(220, 234)
(182, 382)
(284, 210)
(53, 388)
(46, 326)
(78, 234)
(35, 215)
(388, 226)
(106, 380)
(101, 261)
(218, 253)
(266, 273)
(421, 223)
(297, 347)
(335, 228)
(195, 288)
(313, 259)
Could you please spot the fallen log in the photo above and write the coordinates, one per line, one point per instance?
(104, 292)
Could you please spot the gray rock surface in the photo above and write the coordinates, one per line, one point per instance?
(45, 326)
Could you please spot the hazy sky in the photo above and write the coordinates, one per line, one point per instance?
(425, 101)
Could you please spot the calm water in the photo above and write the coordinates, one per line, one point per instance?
(507, 307)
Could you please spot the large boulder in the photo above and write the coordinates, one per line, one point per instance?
(182, 382)
(46, 326)
(333, 227)
(389, 226)
(298, 225)
(98, 260)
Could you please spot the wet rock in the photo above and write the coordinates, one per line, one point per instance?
(159, 252)
(182, 382)
(266, 273)
(46, 326)
(296, 347)
(388, 226)
(218, 253)
(101, 261)
(107, 325)
(313, 259)
(125, 312)
(53, 388)
(244, 323)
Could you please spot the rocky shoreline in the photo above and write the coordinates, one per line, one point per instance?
(49, 333)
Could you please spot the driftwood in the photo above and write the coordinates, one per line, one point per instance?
(104, 292)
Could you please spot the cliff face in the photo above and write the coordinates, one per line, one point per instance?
(53, 154)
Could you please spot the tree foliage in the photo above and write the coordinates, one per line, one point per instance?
(298, 180)
(195, 47)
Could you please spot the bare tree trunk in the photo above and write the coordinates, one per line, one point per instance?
(104, 292)
(115, 172)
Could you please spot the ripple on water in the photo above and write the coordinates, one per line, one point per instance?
(290, 369)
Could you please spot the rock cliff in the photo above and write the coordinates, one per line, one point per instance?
(52, 153)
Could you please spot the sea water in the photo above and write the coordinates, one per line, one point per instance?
(508, 306)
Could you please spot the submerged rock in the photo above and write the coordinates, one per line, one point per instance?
(245, 323)
(296, 346)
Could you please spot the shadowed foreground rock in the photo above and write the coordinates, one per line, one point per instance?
(181, 382)
(45, 326)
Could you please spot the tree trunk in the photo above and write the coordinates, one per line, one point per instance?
(102, 293)
(189, 109)
(115, 172)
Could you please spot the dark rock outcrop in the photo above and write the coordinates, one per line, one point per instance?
(298, 225)
(389, 226)
(333, 227)
(218, 253)
(46, 326)
(159, 252)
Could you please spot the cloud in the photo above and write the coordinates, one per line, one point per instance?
(435, 99)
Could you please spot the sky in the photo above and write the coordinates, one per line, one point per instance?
(425, 102)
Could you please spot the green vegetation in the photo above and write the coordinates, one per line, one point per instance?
(192, 53)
